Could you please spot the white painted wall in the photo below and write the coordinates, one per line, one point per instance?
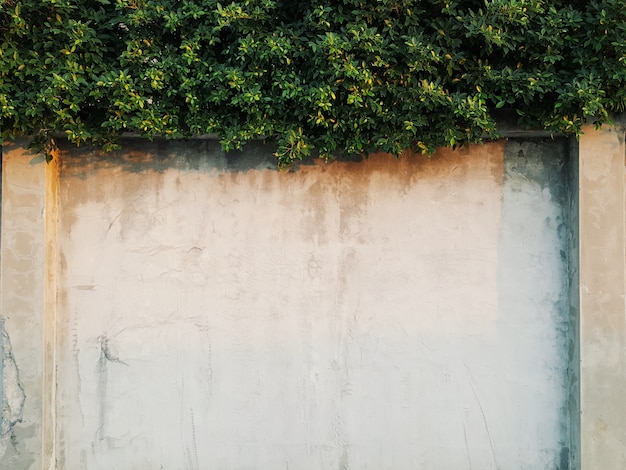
(382, 315)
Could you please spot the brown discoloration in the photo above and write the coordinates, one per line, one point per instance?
(55, 268)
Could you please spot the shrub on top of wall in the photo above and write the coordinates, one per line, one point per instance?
(341, 76)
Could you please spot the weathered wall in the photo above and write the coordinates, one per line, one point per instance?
(216, 313)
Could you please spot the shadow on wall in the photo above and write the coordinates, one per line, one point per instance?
(139, 155)
(205, 155)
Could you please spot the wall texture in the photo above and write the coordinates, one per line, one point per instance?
(212, 312)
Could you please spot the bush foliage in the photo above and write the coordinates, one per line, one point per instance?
(345, 76)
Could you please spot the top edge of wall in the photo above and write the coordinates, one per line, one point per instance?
(506, 124)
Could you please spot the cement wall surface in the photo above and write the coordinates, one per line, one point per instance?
(212, 312)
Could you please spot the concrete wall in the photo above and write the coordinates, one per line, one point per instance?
(193, 310)
(217, 313)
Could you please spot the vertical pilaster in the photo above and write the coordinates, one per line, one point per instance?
(51, 267)
(22, 287)
(602, 308)
(573, 276)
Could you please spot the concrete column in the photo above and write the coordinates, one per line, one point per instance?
(602, 307)
(22, 291)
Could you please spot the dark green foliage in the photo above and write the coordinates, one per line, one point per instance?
(342, 76)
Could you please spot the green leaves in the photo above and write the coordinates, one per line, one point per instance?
(347, 76)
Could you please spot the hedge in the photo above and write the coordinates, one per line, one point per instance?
(343, 76)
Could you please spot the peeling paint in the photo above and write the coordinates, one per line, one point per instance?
(12, 394)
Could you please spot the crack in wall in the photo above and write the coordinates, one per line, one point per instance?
(12, 395)
(106, 357)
